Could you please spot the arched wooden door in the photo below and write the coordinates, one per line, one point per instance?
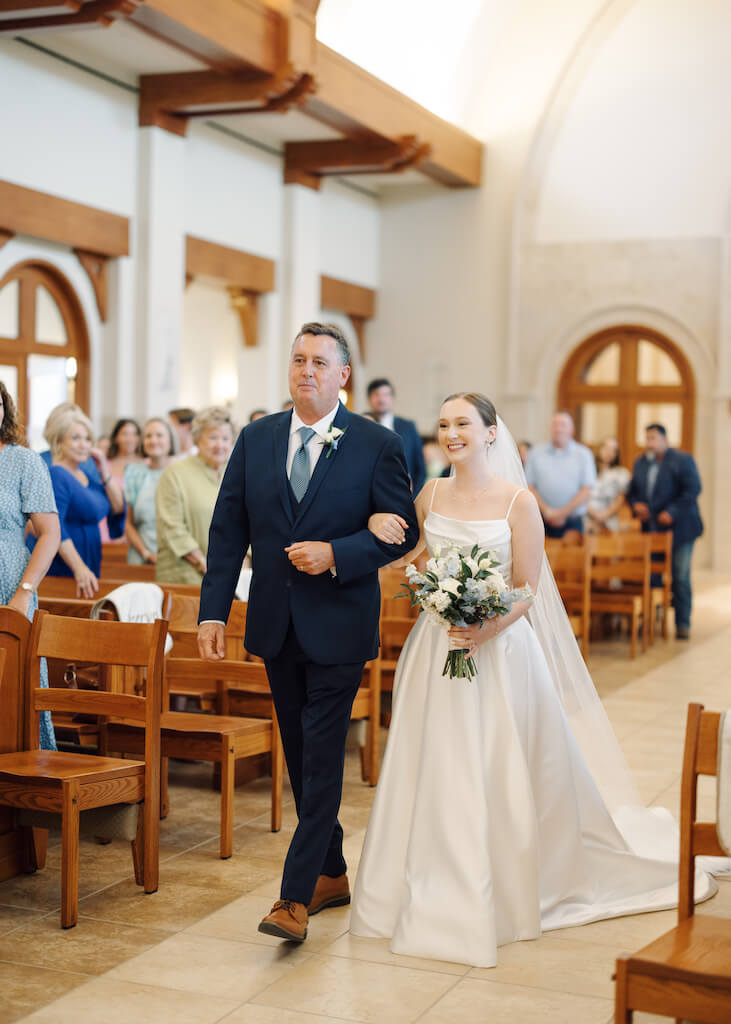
(621, 379)
(44, 344)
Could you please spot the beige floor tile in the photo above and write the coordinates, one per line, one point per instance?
(203, 866)
(92, 947)
(373, 993)
(472, 1001)
(622, 934)
(377, 951)
(121, 1002)
(24, 989)
(172, 908)
(551, 963)
(239, 920)
(15, 917)
(198, 963)
(250, 1014)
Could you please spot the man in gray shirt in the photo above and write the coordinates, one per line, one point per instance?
(561, 475)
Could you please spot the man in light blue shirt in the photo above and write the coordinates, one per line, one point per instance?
(561, 475)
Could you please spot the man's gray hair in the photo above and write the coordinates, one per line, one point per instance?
(330, 331)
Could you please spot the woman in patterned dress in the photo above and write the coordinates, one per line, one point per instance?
(25, 494)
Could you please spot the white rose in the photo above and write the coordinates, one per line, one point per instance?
(472, 565)
(451, 586)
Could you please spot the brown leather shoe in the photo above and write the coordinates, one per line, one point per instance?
(329, 892)
(286, 920)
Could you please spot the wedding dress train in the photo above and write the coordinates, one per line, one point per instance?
(487, 825)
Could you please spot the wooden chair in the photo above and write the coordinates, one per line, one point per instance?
(661, 558)
(114, 553)
(571, 566)
(686, 973)
(66, 784)
(220, 739)
(622, 558)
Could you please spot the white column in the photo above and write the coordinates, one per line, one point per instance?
(160, 261)
(300, 286)
(118, 387)
(721, 538)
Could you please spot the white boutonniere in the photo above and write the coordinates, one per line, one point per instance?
(332, 439)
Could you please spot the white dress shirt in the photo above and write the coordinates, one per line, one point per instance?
(387, 421)
(315, 444)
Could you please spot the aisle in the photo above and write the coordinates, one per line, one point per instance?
(191, 952)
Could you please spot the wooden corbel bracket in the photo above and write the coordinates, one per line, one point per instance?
(306, 163)
(245, 304)
(5, 236)
(97, 270)
(80, 13)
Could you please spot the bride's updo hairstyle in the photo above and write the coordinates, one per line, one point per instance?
(484, 406)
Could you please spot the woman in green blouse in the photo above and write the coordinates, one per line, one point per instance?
(186, 496)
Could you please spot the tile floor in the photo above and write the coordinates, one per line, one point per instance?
(191, 954)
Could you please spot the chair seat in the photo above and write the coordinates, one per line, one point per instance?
(59, 766)
(696, 950)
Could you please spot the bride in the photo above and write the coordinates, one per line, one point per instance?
(505, 807)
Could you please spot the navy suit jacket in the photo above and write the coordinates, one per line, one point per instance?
(414, 450)
(335, 618)
(676, 491)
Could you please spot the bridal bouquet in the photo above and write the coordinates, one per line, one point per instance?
(462, 590)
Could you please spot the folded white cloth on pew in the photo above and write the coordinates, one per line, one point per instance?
(134, 602)
(723, 784)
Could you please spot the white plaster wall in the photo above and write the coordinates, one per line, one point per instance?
(66, 132)
(233, 192)
(217, 369)
(644, 149)
(349, 235)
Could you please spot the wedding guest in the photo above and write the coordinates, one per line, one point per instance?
(607, 494)
(663, 494)
(524, 448)
(186, 496)
(26, 495)
(140, 486)
(561, 474)
(380, 400)
(81, 501)
(103, 443)
(257, 414)
(182, 421)
(124, 447)
(434, 459)
(89, 466)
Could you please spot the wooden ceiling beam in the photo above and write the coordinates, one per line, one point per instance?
(39, 6)
(306, 162)
(358, 104)
(226, 35)
(75, 15)
(168, 100)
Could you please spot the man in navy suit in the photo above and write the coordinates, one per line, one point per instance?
(380, 400)
(300, 488)
(663, 493)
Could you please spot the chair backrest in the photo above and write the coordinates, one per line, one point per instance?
(181, 611)
(243, 676)
(394, 598)
(697, 838)
(127, 644)
(14, 638)
(623, 556)
(394, 629)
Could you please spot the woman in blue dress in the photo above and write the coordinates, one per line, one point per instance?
(140, 486)
(81, 501)
(25, 494)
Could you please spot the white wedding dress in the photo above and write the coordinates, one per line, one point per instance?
(487, 826)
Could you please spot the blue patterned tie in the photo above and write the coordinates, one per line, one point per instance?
(299, 474)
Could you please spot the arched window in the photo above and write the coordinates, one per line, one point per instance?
(44, 345)
(621, 379)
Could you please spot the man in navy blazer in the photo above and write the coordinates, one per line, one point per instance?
(663, 493)
(300, 488)
(380, 400)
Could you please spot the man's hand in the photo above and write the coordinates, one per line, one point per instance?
(211, 645)
(554, 516)
(641, 510)
(311, 556)
(664, 518)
